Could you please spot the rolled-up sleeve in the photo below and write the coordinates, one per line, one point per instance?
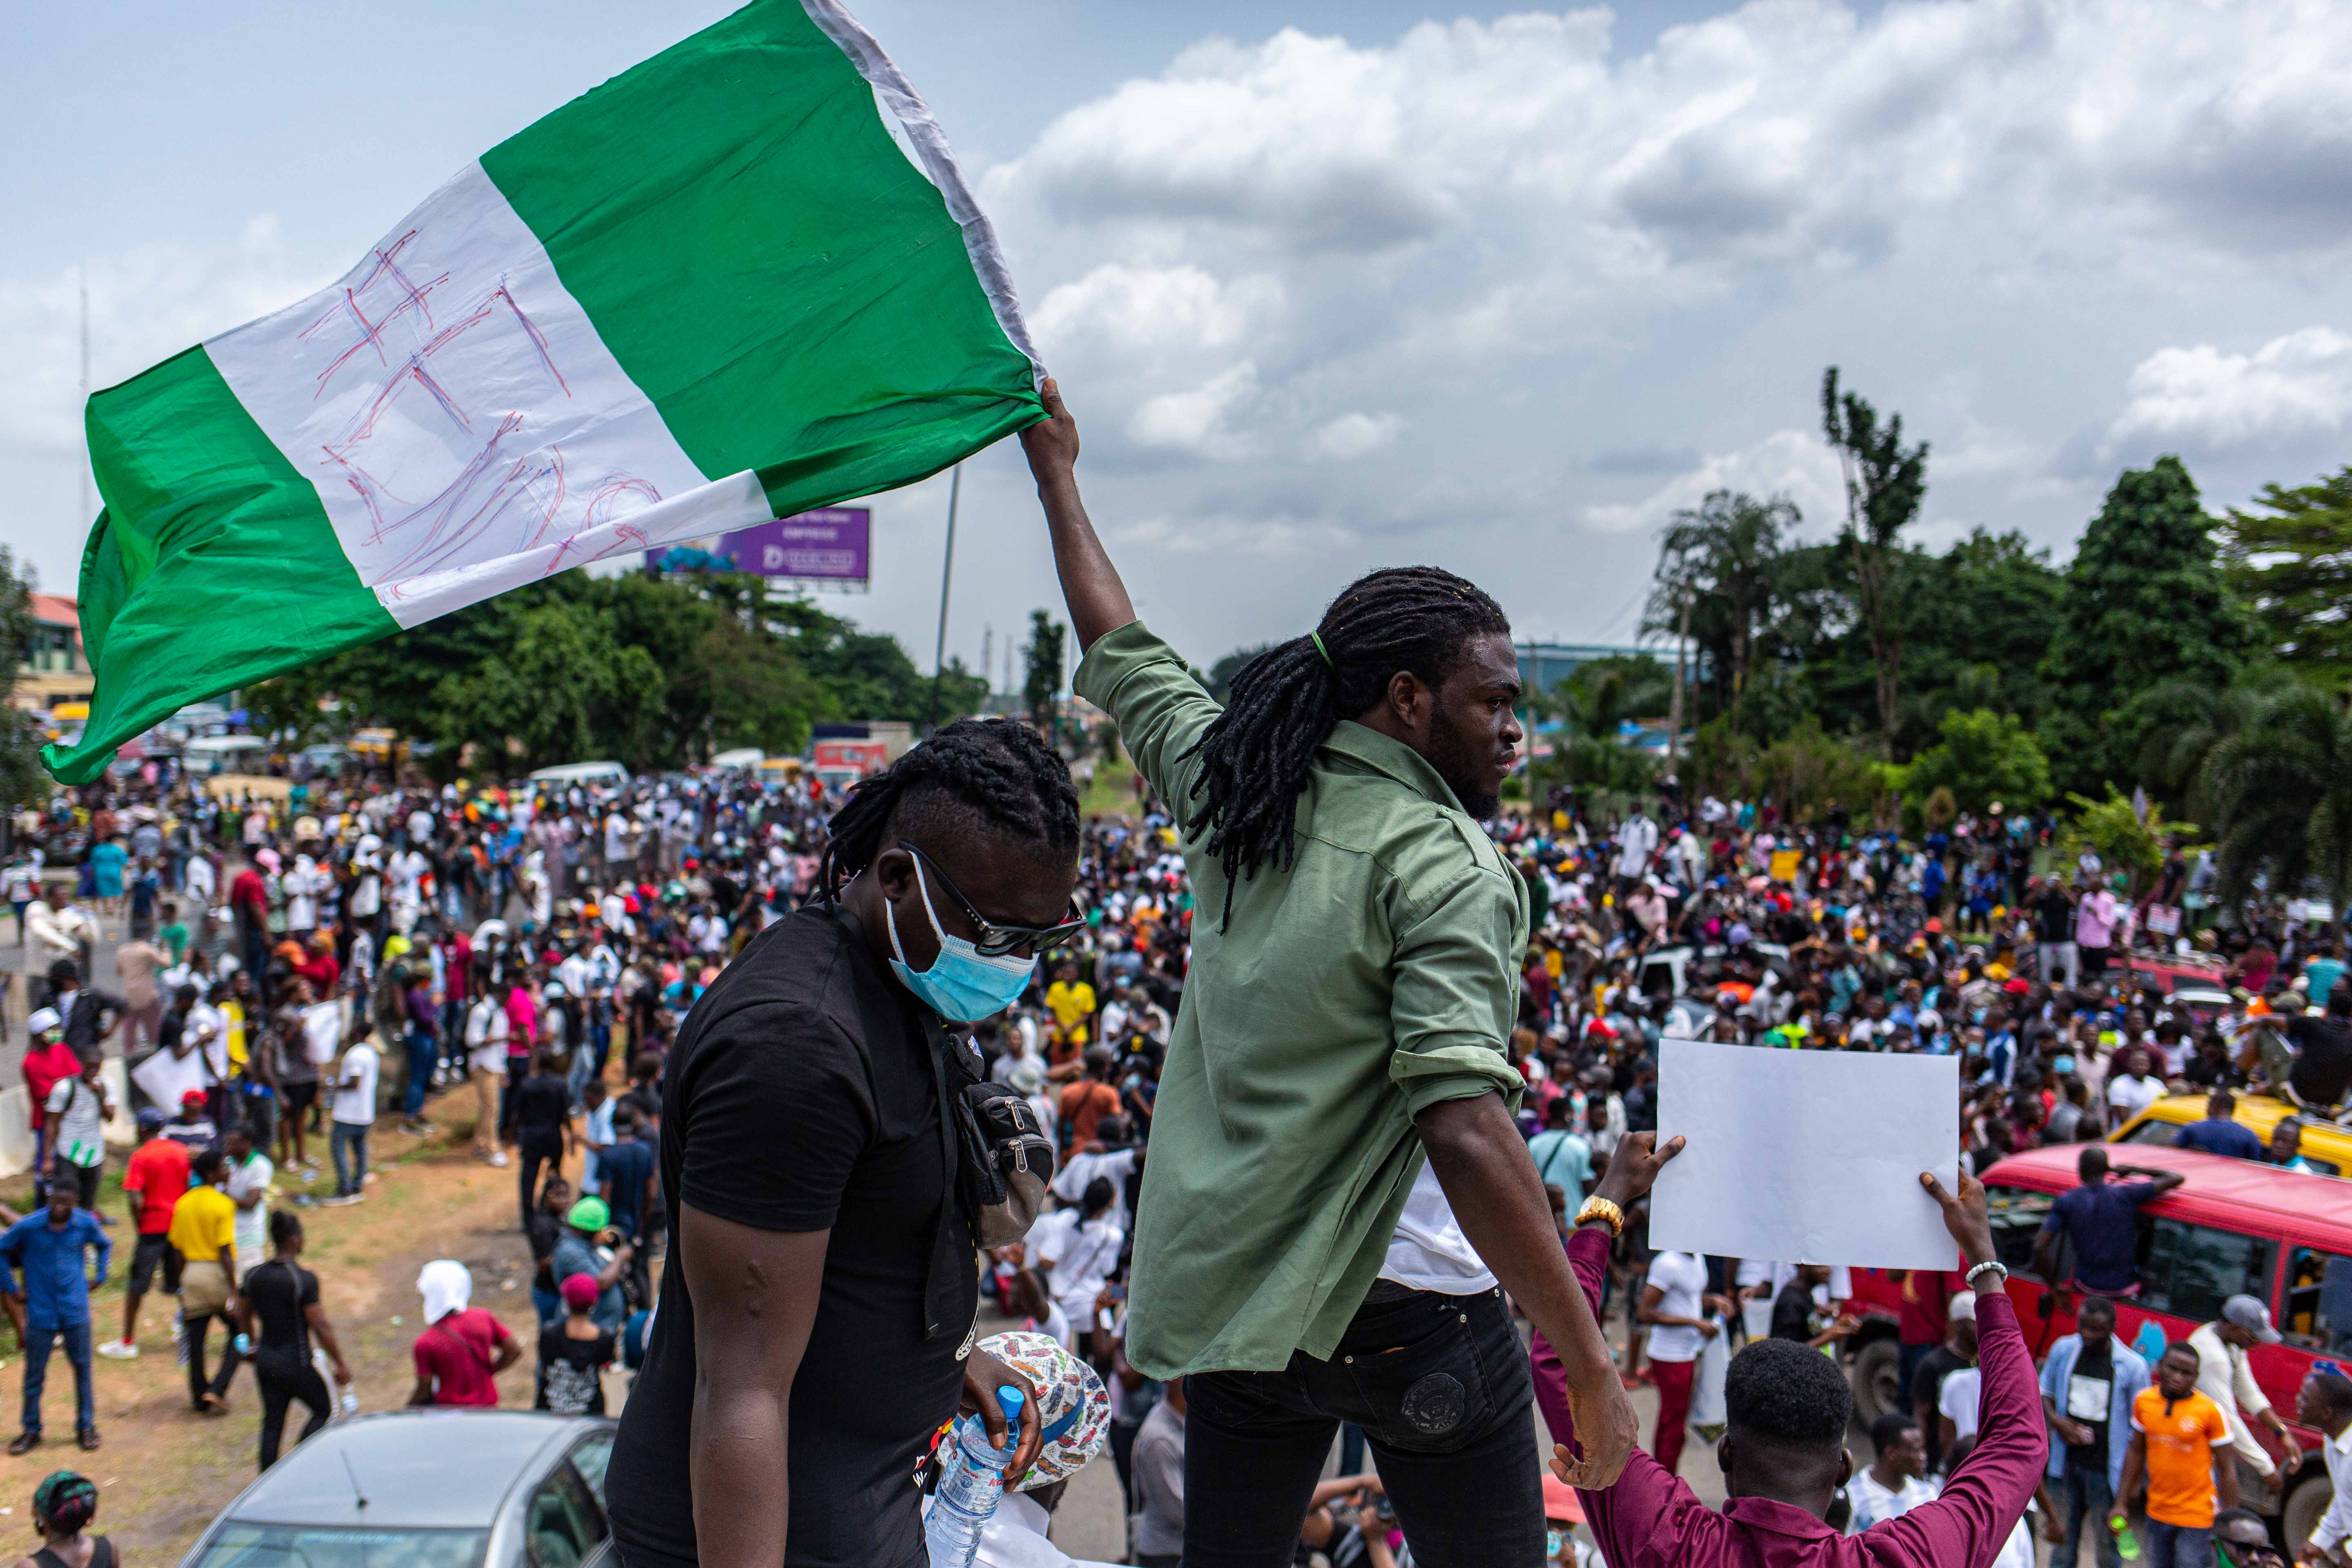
(1456, 994)
(1159, 708)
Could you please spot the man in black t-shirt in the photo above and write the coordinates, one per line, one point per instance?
(819, 1304)
(2323, 1042)
(1958, 1350)
(543, 1113)
(279, 1305)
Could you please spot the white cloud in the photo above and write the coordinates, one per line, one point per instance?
(1195, 419)
(1121, 310)
(1354, 434)
(2206, 398)
(1797, 464)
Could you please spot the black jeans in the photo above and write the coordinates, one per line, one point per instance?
(195, 1328)
(284, 1377)
(1440, 1385)
(537, 1149)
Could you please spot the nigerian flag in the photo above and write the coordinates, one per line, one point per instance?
(740, 280)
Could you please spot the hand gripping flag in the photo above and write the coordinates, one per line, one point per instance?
(740, 280)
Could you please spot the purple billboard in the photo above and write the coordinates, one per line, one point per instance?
(827, 545)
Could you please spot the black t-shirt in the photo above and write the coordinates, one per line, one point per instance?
(569, 1369)
(542, 1105)
(2053, 915)
(2090, 1368)
(802, 1096)
(278, 1291)
(1927, 1383)
(1792, 1313)
(2324, 1071)
(621, 1172)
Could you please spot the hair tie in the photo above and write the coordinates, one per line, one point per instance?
(1316, 638)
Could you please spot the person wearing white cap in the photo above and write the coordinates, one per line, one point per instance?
(2223, 1377)
(1074, 1410)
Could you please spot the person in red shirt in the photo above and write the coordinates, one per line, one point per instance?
(47, 1063)
(319, 966)
(152, 1181)
(248, 898)
(463, 1349)
(1086, 1103)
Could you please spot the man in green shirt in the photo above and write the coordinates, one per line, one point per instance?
(1354, 980)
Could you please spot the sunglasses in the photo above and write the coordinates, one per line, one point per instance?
(995, 939)
(2250, 1554)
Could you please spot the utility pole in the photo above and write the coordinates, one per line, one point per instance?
(947, 574)
(82, 494)
(1675, 714)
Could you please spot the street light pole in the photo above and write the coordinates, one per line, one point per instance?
(947, 575)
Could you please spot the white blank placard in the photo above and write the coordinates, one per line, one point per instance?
(1806, 1156)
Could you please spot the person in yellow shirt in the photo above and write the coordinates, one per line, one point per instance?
(2180, 1442)
(203, 1233)
(1072, 1001)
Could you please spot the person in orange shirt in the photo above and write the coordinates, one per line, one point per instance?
(2181, 1444)
(1086, 1103)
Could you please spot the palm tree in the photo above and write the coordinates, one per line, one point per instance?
(2279, 790)
(2186, 719)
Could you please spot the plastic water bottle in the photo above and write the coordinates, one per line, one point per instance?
(971, 1477)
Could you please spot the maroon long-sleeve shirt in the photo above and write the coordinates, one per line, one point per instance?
(1652, 1520)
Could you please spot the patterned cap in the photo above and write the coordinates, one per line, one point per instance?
(1072, 1405)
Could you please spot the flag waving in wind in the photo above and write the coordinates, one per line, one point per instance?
(740, 280)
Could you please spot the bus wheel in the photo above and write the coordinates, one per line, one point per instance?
(2306, 1506)
(1877, 1376)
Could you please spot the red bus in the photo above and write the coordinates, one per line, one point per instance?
(2235, 1227)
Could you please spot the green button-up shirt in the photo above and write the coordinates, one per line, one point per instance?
(1377, 977)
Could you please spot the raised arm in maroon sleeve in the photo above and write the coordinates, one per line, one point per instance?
(1652, 1520)
(1988, 1494)
(1647, 1511)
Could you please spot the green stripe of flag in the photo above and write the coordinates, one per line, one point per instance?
(213, 564)
(750, 281)
(768, 267)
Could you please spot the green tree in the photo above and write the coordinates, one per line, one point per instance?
(22, 779)
(1724, 557)
(2291, 561)
(1884, 487)
(2279, 791)
(2124, 839)
(1982, 757)
(1220, 680)
(1042, 685)
(2145, 603)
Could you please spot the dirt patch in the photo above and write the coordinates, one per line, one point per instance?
(164, 1471)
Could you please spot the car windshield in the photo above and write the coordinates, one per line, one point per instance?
(305, 1546)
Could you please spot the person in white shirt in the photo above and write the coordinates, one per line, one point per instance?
(1115, 1163)
(2223, 1377)
(353, 1112)
(1896, 1482)
(2134, 1090)
(1077, 1258)
(2324, 1402)
(79, 1109)
(1637, 839)
(250, 1172)
(303, 885)
(1681, 1315)
(486, 1067)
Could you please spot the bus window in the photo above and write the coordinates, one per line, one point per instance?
(2017, 1213)
(2191, 1269)
(2318, 1315)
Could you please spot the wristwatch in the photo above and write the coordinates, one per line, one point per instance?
(1602, 1209)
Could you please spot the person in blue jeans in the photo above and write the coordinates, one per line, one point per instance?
(2087, 1388)
(46, 1250)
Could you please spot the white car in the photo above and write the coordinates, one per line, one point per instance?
(427, 1488)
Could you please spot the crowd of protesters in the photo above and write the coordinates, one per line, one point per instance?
(310, 964)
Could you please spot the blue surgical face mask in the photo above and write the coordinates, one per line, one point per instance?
(961, 985)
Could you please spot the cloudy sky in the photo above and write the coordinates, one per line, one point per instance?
(1335, 285)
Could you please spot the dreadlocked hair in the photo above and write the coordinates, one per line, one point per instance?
(1286, 702)
(974, 775)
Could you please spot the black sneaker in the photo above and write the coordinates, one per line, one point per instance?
(24, 1442)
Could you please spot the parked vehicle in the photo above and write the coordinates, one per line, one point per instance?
(596, 775)
(2234, 1227)
(2326, 1147)
(425, 1489)
(210, 754)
